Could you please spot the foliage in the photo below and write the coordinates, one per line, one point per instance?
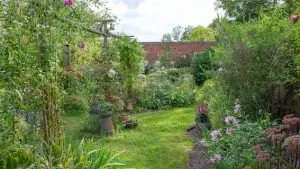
(131, 56)
(75, 105)
(219, 101)
(201, 65)
(178, 33)
(171, 88)
(200, 33)
(189, 33)
(244, 10)
(254, 57)
(31, 67)
(159, 134)
(233, 141)
(280, 145)
(82, 155)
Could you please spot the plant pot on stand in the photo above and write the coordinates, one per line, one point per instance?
(107, 123)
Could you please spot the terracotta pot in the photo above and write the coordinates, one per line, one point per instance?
(130, 106)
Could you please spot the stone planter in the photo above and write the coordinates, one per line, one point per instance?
(108, 127)
(106, 114)
(107, 123)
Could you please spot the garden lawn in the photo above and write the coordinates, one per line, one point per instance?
(159, 141)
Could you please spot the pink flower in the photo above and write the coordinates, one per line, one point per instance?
(218, 157)
(235, 122)
(215, 158)
(68, 3)
(229, 131)
(81, 44)
(237, 108)
(228, 119)
(294, 18)
(214, 134)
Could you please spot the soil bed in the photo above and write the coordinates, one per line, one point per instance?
(198, 158)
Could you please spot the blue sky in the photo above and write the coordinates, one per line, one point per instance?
(148, 20)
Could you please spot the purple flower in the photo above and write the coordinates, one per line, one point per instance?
(294, 18)
(237, 108)
(218, 157)
(228, 119)
(68, 3)
(214, 134)
(229, 131)
(235, 122)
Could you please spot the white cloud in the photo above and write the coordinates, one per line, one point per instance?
(150, 19)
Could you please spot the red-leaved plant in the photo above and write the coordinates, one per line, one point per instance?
(282, 145)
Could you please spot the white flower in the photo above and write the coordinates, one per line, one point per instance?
(111, 73)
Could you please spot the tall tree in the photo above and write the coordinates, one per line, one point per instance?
(244, 10)
(200, 33)
(178, 33)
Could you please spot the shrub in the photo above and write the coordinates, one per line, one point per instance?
(233, 140)
(201, 65)
(218, 100)
(256, 56)
(170, 88)
(75, 105)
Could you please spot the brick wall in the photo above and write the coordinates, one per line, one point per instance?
(155, 49)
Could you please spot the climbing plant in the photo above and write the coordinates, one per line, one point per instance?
(131, 55)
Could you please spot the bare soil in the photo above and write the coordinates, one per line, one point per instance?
(198, 158)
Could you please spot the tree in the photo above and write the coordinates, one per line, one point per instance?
(178, 33)
(200, 33)
(244, 10)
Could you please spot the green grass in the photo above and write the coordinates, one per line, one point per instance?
(159, 141)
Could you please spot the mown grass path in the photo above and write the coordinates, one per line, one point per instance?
(159, 141)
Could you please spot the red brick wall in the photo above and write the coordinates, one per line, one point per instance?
(154, 49)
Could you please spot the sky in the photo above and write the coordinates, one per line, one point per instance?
(148, 20)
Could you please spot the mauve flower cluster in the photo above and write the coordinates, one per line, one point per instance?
(261, 156)
(291, 123)
(282, 136)
(231, 119)
(292, 143)
(68, 3)
(216, 158)
(214, 134)
(229, 131)
(294, 18)
(237, 108)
